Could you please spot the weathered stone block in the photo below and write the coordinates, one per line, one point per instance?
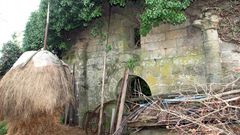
(192, 51)
(176, 34)
(186, 60)
(210, 35)
(153, 38)
(92, 48)
(150, 46)
(147, 64)
(180, 26)
(169, 52)
(162, 28)
(150, 79)
(189, 42)
(152, 55)
(167, 44)
(227, 46)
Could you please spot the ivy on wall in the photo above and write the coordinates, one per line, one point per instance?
(162, 11)
(66, 15)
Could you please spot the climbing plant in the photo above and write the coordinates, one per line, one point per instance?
(162, 11)
(66, 15)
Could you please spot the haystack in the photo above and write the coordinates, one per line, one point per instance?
(33, 93)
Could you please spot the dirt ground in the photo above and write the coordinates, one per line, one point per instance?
(75, 131)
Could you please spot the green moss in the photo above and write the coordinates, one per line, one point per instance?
(189, 59)
(151, 80)
(70, 57)
(166, 73)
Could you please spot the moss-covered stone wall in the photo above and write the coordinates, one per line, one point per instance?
(171, 58)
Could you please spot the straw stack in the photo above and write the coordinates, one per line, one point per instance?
(33, 93)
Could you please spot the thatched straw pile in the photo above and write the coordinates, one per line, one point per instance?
(33, 93)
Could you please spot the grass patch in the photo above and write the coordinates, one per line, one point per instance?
(3, 128)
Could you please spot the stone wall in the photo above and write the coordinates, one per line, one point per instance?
(171, 58)
(87, 55)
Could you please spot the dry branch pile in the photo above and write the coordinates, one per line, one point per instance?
(211, 112)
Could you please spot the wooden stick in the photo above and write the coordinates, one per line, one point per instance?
(46, 29)
(112, 129)
(112, 120)
(102, 94)
(66, 114)
(121, 108)
(103, 76)
(72, 106)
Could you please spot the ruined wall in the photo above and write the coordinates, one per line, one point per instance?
(170, 58)
(87, 55)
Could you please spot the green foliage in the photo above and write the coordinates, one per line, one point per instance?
(162, 11)
(97, 29)
(132, 62)
(108, 48)
(34, 32)
(65, 15)
(10, 53)
(118, 2)
(3, 128)
(61, 119)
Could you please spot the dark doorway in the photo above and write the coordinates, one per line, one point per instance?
(137, 38)
(137, 87)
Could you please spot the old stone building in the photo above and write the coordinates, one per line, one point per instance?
(170, 58)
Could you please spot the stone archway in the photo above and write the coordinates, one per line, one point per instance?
(137, 87)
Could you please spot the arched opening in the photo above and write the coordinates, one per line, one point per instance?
(137, 87)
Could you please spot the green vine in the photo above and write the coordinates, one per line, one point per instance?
(162, 11)
(133, 62)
